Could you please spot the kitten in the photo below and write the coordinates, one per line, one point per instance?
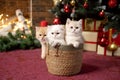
(41, 36)
(56, 35)
(74, 33)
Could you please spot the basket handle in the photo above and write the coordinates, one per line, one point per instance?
(56, 48)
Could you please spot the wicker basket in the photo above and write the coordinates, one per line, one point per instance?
(65, 60)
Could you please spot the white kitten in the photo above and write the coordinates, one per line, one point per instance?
(56, 35)
(74, 33)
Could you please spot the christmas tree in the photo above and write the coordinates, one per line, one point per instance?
(108, 10)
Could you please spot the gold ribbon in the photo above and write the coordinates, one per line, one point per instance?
(110, 35)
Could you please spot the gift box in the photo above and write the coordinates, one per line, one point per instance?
(90, 24)
(117, 40)
(104, 51)
(113, 47)
(90, 40)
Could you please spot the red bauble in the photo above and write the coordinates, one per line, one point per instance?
(85, 5)
(112, 3)
(102, 13)
(67, 8)
(43, 23)
(56, 21)
(104, 42)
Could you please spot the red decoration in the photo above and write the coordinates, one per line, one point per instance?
(56, 21)
(102, 14)
(117, 40)
(67, 8)
(85, 5)
(112, 3)
(43, 23)
(104, 42)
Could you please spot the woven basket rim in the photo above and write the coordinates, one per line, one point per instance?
(66, 47)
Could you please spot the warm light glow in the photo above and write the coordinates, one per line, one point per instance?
(7, 15)
(1, 15)
(5, 20)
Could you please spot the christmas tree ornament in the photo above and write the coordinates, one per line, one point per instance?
(73, 10)
(112, 3)
(112, 47)
(104, 42)
(102, 13)
(85, 4)
(72, 15)
(67, 8)
(43, 23)
(62, 10)
(56, 21)
(72, 2)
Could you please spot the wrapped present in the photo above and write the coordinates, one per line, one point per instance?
(107, 45)
(104, 51)
(117, 40)
(90, 40)
(90, 24)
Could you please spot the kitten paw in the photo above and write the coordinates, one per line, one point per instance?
(43, 56)
(68, 43)
(57, 45)
(76, 45)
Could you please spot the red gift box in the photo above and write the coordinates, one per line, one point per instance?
(104, 50)
(117, 40)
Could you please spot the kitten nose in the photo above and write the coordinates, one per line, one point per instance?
(42, 37)
(55, 35)
(74, 30)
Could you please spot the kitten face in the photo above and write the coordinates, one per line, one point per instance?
(74, 26)
(41, 34)
(56, 31)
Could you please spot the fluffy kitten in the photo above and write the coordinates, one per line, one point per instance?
(56, 35)
(41, 36)
(74, 33)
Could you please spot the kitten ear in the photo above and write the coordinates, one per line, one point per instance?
(48, 26)
(62, 27)
(80, 21)
(68, 21)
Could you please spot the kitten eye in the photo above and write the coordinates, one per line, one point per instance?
(52, 33)
(71, 27)
(45, 35)
(76, 27)
(40, 34)
(57, 33)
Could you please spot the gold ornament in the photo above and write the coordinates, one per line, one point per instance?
(72, 2)
(112, 47)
